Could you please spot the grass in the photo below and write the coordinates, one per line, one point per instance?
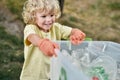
(11, 56)
(94, 17)
(15, 6)
(114, 5)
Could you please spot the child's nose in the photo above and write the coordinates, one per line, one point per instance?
(48, 19)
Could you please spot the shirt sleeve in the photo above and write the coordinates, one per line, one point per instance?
(29, 29)
(65, 31)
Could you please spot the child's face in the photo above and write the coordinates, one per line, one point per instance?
(45, 20)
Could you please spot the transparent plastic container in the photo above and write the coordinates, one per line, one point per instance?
(95, 59)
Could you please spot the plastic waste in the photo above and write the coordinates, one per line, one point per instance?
(104, 68)
(97, 66)
(94, 60)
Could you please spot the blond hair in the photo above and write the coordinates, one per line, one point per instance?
(31, 6)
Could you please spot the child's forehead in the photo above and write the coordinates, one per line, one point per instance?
(45, 11)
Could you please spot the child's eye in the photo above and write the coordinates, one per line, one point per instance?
(51, 15)
(43, 16)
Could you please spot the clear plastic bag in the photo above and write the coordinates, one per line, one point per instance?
(92, 63)
(94, 60)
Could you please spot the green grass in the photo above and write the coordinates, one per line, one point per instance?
(116, 17)
(11, 56)
(16, 7)
(114, 5)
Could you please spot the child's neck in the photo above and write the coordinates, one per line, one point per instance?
(45, 30)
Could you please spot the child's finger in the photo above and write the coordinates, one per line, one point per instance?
(56, 46)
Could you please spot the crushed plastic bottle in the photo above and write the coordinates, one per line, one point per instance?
(98, 73)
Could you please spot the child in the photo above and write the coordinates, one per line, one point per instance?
(39, 35)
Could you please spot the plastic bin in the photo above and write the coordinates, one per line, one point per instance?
(101, 53)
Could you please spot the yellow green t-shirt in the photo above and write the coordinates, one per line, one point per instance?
(37, 65)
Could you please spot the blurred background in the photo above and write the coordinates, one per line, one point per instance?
(99, 19)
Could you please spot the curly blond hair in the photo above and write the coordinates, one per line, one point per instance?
(31, 6)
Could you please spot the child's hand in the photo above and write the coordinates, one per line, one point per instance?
(48, 47)
(77, 36)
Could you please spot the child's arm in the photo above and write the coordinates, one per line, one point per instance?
(76, 36)
(45, 45)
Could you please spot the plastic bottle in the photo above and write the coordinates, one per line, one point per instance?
(98, 73)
